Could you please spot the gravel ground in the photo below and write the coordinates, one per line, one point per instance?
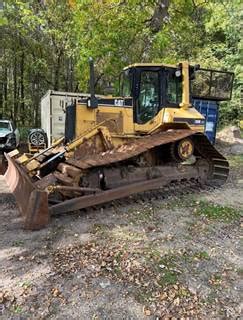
(178, 257)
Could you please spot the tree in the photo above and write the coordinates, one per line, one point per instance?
(37, 55)
(46, 45)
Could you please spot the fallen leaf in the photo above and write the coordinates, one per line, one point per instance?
(146, 311)
(176, 301)
(55, 292)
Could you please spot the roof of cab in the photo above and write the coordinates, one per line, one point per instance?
(149, 65)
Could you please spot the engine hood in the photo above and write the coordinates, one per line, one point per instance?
(4, 132)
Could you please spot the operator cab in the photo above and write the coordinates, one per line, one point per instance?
(152, 88)
(157, 86)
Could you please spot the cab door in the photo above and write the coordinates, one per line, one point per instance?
(148, 94)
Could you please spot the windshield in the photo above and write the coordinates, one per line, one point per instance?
(125, 84)
(4, 125)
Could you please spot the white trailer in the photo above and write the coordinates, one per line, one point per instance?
(53, 106)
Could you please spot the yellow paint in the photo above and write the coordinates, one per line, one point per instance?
(89, 134)
(186, 148)
(13, 153)
(185, 104)
(86, 118)
(109, 126)
(149, 65)
(86, 121)
(32, 165)
(115, 124)
(166, 116)
(23, 158)
(151, 125)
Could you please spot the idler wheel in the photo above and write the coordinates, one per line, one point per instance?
(182, 150)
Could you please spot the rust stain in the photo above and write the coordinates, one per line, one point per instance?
(32, 202)
(131, 149)
(115, 124)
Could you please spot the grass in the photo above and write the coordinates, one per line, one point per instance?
(169, 277)
(99, 228)
(204, 208)
(215, 280)
(142, 214)
(217, 212)
(241, 133)
(201, 255)
(26, 284)
(184, 201)
(18, 243)
(240, 272)
(164, 266)
(190, 256)
(17, 309)
(235, 161)
(163, 273)
(211, 298)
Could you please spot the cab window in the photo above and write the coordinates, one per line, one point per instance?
(125, 84)
(148, 99)
(173, 88)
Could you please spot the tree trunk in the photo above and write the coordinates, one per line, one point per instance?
(57, 72)
(66, 74)
(15, 93)
(5, 89)
(71, 74)
(1, 92)
(22, 96)
(36, 111)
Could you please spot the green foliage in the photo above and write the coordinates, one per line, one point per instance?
(24, 132)
(46, 45)
(36, 55)
(236, 160)
(215, 211)
(223, 49)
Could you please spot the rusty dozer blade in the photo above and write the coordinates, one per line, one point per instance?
(32, 202)
(3, 164)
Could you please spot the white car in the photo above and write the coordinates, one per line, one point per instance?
(9, 136)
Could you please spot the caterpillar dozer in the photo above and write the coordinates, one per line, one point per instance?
(148, 137)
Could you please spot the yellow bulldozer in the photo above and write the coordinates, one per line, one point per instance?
(148, 137)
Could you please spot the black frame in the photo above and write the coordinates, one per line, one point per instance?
(136, 88)
(130, 71)
(210, 97)
(166, 103)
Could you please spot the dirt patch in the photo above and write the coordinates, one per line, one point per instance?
(178, 257)
(230, 141)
